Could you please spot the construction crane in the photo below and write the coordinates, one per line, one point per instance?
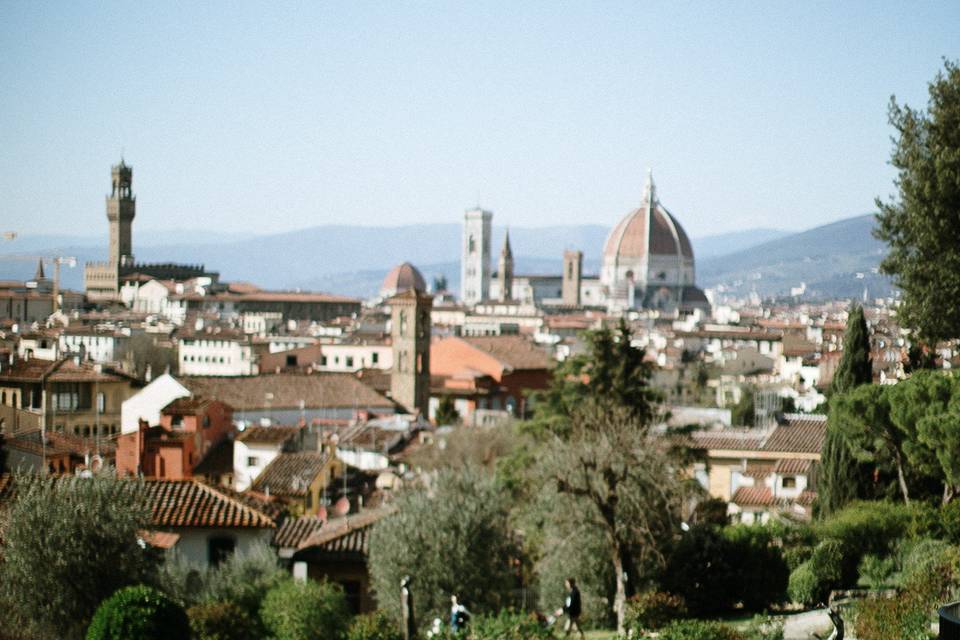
(57, 261)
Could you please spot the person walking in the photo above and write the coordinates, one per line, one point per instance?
(572, 607)
(406, 609)
(459, 616)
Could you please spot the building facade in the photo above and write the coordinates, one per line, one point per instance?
(475, 263)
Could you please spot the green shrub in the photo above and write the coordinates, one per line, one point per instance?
(139, 612)
(715, 569)
(804, 588)
(760, 571)
(919, 557)
(220, 621)
(905, 617)
(652, 610)
(699, 630)
(508, 625)
(860, 529)
(875, 572)
(305, 611)
(797, 555)
(374, 626)
(926, 521)
(950, 521)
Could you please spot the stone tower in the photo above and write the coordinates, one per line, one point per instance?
(410, 334)
(505, 271)
(121, 209)
(572, 274)
(475, 260)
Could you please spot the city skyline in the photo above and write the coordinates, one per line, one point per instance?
(248, 120)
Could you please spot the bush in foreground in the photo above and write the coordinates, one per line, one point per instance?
(220, 621)
(652, 610)
(139, 612)
(305, 611)
(374, 626)
(699, 630)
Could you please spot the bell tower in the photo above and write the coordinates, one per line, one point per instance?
(121, 209)
(410, 335)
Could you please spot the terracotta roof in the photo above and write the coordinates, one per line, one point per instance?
(291, 474)
(160, 539)
(753, 497)
(266, 505)
(294, 531)
(270, 435)
(189, 406)
(187, 503)
(62, 370)
(799, 433)
(316, 390)
(402, 278)
(793, 467)
(513, 352)
(60, 444)
(347, 534)
(631, 239)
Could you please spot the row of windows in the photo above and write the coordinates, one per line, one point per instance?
(213, 359)
(87, 431)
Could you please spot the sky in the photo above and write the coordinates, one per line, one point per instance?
(269, 117)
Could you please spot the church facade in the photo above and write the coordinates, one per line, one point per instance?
(647, 264)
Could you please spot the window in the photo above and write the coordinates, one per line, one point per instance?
(219, 548)
(375, 357)
(349, 361)
(253, 461)
(291, 361)
(323, 361)
(789, 482)
(206, 421)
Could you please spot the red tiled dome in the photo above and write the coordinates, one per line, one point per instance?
(629, 238)
(402, 277)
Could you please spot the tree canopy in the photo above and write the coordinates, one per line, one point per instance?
(453, 538)
(843, 478)
(69, 544)
(921, 224)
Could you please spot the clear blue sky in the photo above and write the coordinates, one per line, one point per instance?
(246, 116)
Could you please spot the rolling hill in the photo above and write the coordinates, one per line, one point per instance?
(352, 260)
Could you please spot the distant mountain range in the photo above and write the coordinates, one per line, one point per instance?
(837, 260)
(352, 260)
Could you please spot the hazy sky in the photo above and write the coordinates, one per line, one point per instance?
(263, 117)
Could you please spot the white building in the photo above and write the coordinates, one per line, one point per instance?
(98, 346)
(256, 447)
(475, 263)
(147, 403)
(216, 353)
(356, 355)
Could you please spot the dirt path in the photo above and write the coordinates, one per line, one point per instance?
(802, 626)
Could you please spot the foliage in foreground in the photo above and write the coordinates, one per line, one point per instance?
(139, 612)
(220, 621)
(652, 610)
(374, 626)
(70, 544)
(452, 539)
(242, 580)
(305, 611)
(715, 569)
(921, 227)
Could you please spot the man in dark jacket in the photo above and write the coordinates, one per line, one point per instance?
(572, 608)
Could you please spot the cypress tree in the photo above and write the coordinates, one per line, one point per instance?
(842, 478)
